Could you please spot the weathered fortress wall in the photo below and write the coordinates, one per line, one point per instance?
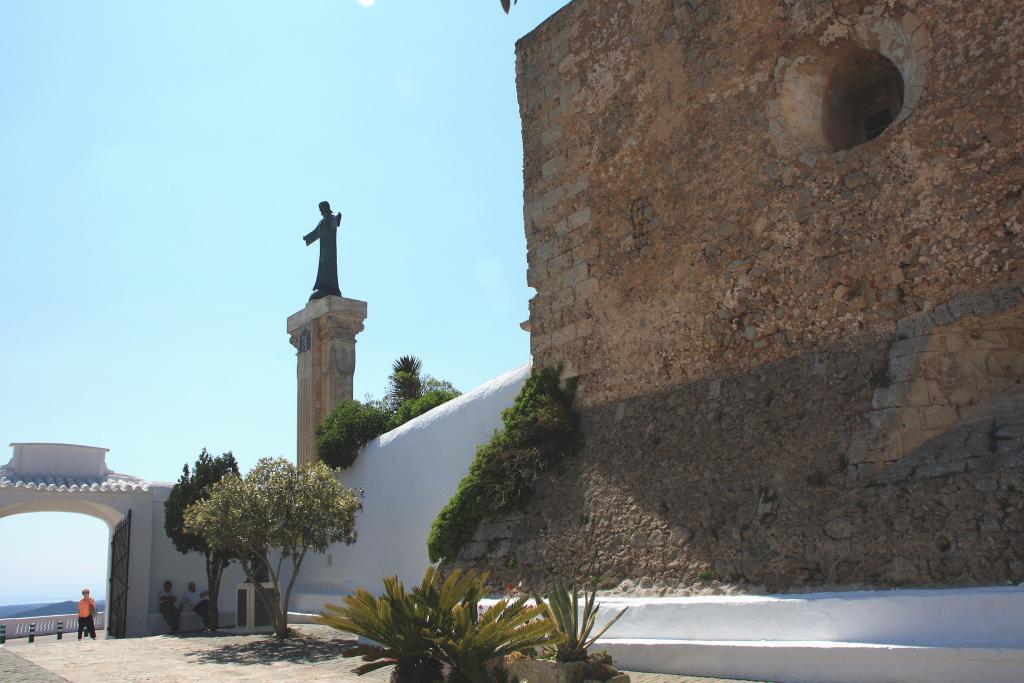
(800, 358)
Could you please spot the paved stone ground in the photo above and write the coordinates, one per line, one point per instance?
(14, 668)
(314, 657)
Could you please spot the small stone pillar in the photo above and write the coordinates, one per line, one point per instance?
(324, 334)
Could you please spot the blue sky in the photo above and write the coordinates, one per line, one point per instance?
(161, 162)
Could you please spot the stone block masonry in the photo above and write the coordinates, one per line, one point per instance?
(324, 336)
(799, 349)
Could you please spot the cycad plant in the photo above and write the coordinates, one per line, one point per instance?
(477, 640)
(576, 625)
(397, 622)
(438, 623)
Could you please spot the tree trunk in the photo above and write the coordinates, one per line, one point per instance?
(273, 605)
(296, 566)
(280, 616)
(214, 572)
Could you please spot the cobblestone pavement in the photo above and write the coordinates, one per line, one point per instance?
(14, 669)
(186, 658)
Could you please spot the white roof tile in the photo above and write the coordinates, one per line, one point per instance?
(110, 483)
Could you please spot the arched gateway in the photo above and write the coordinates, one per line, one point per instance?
(50, 477)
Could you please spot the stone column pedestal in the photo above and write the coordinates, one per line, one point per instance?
(324, 334)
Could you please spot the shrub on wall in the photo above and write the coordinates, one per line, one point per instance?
(347, 429)
(416, 407)
(540, 430)
(353, 424)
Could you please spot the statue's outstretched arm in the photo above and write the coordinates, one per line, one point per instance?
(313, 236)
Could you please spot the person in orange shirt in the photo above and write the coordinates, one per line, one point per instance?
(86, 615)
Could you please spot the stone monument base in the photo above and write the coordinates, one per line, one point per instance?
(324, 335)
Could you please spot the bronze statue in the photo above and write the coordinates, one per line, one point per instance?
(327, 273)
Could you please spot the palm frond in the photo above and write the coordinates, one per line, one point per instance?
(410, 364)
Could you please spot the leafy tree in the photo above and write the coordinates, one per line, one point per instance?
(193, 486)
(433, 384)
(279, 509)
(347, 429)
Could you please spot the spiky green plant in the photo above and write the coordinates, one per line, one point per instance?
(437, 623)
(477, 640)
(405, 384)
(397, 622)
(563, 608)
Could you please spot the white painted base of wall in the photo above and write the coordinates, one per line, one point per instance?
(819, 661)
(965, 635)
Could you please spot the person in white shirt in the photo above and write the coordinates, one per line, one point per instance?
(199, 602)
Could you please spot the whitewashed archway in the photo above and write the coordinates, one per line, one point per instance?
(52, 477)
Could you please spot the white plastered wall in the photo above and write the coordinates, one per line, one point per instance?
(408, 475)
(168, 564)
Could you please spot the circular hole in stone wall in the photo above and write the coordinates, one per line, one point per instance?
(863, 96)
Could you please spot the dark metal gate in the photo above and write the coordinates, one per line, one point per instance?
(117, 597)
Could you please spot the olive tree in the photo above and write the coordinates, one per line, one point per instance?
(277, 511)
(194, 485)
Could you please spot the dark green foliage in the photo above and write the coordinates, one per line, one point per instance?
(404, 384)
(416, 407)
(347, 430)
(563, 608)
(410, 365)
(194, 485)
(353, 424)
(439, 623)
(541, 429)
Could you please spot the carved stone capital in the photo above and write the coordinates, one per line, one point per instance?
(335, 326)
(324, 336)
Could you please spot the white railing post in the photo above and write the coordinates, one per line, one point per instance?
(47, 625)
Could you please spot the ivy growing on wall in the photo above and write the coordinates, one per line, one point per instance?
(541, 429)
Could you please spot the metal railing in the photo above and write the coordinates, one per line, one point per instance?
(48, 625)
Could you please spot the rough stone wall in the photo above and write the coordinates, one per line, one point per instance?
(797, 367)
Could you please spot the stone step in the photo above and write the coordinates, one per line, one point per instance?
(817, 661)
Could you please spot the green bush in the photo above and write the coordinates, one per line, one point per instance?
(347, 430)
(417, 406)
(541, 429)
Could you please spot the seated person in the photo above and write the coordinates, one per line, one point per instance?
(199, 601)
(169, 606)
